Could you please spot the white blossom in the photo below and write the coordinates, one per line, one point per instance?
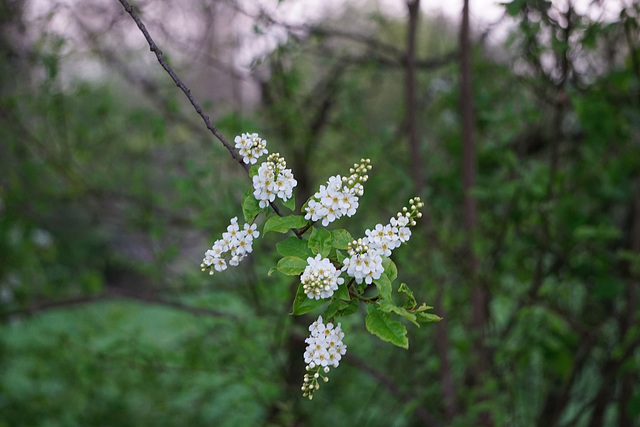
(365, 255)
(339, 196)
(251, 147)
(273, 180)
(324, 350)
(232, 248)
(320, 278)
(364, 262)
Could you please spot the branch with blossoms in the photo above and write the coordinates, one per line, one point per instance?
(337, 272)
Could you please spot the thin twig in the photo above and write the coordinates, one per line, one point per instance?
(160, 57)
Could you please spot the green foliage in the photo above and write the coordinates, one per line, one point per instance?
(380, 324)
(106, 197)
(283, 224)
(290, 265)
(320, 241)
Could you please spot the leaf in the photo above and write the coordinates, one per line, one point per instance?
(380, 324)
(423, 307)
(353, 307)
(342, 292)
(341, 239)
(384, 287)
(284, 223)
(340, 256)
(320, 241)
(291, 265)
(290, 203)
(411, 300)
(390, 269)
(389, 307)
(293, 246)
(303, 304)
(253, 170)
(427, 317)
(250, 206)
(335, 306)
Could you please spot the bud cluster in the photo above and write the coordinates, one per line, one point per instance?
(320, 278)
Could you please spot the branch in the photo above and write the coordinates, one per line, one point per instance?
(160, 57)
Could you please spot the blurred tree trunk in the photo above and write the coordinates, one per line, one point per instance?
(478, 293)
(418, 175)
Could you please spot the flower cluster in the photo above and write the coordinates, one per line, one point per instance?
(251, 147)
(324, 349)
(340, 196)
(385, 238)
(364, 262)
(273, 180)
(320, 278)
(365, 255)
(235, 244)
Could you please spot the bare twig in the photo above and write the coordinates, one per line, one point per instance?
(160, 57)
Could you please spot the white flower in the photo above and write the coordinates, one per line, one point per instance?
(364, 263)
(273, 180)
(232, 248)
(339, 196)
(324, 349)
(320, 278)
(251, 147)
(365, 255)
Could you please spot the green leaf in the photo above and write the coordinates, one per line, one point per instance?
(253, 170)
(290, 203)
(380, 324)
(390, 307)
(342, 292)
(335, 306)
(340, 256)
(384, 287)
(390, 269)
(427, 317)
(291, 265)
(303, 304)
(341, 239)
(411, 300)
(284, 223)
(250, 206)
(423, 307)
(320, 241)
(353, 307)
(293, 246)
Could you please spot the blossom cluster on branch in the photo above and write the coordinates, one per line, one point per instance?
(340, 270)
(233, 247)
(339, 196)
(324, 348)
(273, 180)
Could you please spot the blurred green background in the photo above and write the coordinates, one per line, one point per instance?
(111, 189)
